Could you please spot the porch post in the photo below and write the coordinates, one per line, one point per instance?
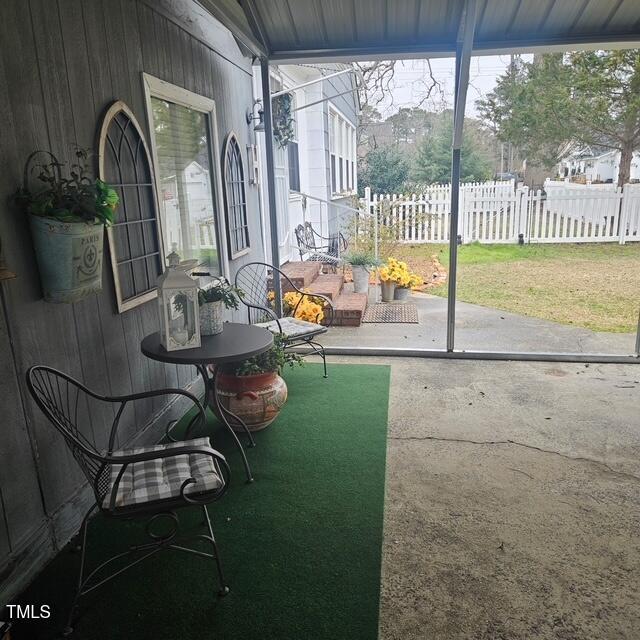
(271, 182)
(463, 59)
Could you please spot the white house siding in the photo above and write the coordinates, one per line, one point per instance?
(313, 153)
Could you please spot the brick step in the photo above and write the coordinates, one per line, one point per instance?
(349, 309)
(327, 284)
(302, 274)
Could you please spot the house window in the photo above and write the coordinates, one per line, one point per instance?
(182, 124)
(235, 198)
(342, 153)
(134, 238)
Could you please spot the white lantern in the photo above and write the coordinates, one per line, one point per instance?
(179, 313)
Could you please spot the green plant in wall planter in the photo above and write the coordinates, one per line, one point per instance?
(283, 122)
(67, 216)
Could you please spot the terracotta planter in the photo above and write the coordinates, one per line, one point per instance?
(388, 290)
(257, 399)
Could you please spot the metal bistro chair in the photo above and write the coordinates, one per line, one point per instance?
(256, 281)
(150, 482)
(329, 251)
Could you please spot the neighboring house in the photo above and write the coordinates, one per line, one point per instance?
(596, 165)
(321, 161)
(202, 219)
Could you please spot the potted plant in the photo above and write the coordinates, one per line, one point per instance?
(67, 216)
(214, 299)
(253, 389)
(404, 286)
(361, 263)
(282, 118)
(389, 274)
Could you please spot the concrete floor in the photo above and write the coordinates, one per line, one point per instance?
(480, 328)
(512, 501)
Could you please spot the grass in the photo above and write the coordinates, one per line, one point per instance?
(301, 546)
(595, 286)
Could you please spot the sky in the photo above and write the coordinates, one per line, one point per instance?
(408, 86)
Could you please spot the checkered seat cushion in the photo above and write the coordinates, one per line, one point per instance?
(162, 478)
(293, 327)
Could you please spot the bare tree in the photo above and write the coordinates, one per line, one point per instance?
(379, 81)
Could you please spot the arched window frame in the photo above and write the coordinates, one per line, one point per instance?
(151, 214)
(235, 196)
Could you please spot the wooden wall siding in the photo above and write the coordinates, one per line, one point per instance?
(61, 64)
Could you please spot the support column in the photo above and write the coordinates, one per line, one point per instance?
(463, 59)
(271, 181)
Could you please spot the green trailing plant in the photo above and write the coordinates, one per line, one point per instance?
(283, 122)
(362, 258)
(223, 291)
(76, 198)
(271, 361)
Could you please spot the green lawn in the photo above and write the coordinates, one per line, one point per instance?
(596, 286)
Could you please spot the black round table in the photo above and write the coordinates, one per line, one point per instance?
(237, 342)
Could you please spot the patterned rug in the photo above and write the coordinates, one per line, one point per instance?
(389, 312)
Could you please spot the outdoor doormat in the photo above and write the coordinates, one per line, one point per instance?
(388, 312)
(301, 546)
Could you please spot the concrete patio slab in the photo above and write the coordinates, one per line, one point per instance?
(480, 328)
(512, 501)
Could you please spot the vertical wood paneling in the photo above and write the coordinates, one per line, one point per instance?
(21, 501)
(65, 61)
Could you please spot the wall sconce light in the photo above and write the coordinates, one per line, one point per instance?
(5, 274)
(254, 114)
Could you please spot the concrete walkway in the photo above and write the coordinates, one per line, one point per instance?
(512, 501)
(480, 328)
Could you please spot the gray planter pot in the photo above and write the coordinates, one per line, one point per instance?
(387, 290)
(360, 278)
(401, 294)
(69, 256)
(211, 318)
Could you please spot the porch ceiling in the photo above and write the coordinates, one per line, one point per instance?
(359, 29)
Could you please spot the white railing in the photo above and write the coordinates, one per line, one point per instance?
(498, 212)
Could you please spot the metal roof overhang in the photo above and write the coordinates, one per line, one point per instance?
(347, 30)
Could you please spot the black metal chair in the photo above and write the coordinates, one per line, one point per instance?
(329, 251)
(256, 279)
(149, 482)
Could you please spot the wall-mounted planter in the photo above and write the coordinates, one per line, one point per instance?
(69, 256)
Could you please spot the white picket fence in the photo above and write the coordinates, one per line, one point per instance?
(498, 212)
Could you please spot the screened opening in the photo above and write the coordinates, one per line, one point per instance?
(235, 200)
(134, 239)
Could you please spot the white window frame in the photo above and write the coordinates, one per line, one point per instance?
(342, 147)
(156, 88)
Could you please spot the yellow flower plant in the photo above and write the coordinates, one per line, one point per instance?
(398, 271)
(303, 307)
